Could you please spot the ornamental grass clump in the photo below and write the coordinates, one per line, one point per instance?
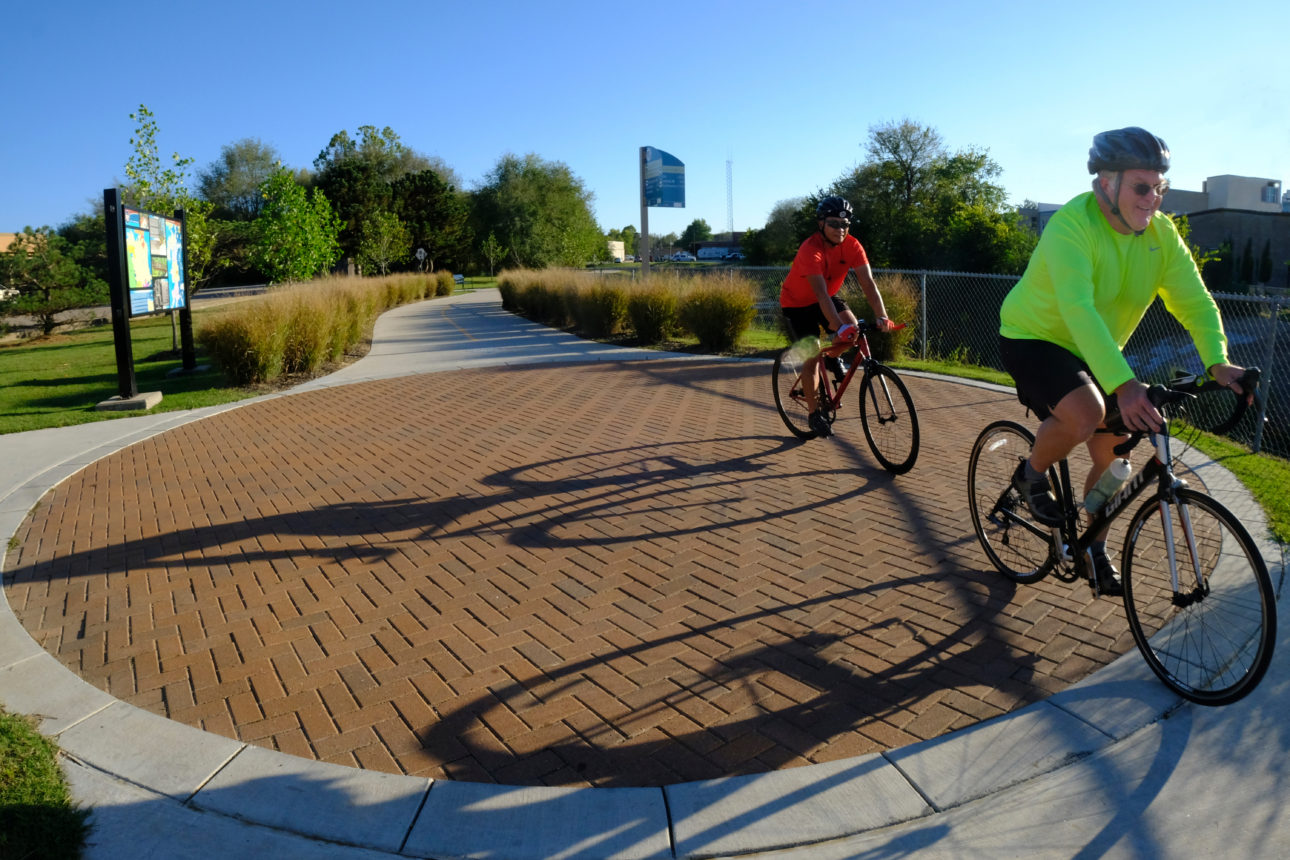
(444, 283)
(601, 309)
(900, 297)
(718, 311)
(248, 342)
(652, 310)
(310, 320)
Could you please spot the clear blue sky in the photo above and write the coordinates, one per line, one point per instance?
(786, 91)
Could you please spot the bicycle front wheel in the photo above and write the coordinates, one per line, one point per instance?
(1210, 636)
(889, 420)
(1016, 545)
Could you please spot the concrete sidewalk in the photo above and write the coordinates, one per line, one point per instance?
(1112, 766)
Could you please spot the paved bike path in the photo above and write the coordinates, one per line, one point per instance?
(1093, 770)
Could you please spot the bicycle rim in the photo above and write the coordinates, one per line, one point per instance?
(789, 402)
(889, 420)
(1017, 546)
(1213, 644)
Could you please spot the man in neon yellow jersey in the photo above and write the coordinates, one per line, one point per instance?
(1101, 261)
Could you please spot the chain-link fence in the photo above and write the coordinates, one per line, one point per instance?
(956, 318)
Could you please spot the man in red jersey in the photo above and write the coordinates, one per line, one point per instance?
(809, 298)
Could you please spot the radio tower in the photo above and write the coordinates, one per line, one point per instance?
(730, 200)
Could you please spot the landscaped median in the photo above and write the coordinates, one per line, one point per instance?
(297, 329)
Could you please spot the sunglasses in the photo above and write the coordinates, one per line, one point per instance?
(836, 223)
(1143, 188)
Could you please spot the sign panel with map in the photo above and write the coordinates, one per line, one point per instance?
(154, 252)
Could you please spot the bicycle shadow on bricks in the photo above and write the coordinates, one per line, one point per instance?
(795, 691)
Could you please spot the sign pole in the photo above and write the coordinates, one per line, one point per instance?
(115, 227)
(642, 246)
(186, 344)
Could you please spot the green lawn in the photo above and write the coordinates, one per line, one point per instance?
(57, 381)
(37, 816)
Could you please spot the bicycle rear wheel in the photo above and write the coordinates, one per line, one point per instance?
(1211, 641)
(1018, 547)
(789, 401)
(889, 420)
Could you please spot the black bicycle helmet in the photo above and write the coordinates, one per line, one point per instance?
(1129, 148)
(833, 207)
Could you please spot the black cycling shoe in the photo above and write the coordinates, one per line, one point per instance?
(823, 429)
(1038, 497)
(1108, 578)
(838, 366)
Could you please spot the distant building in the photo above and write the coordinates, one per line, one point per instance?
(1245, 193)
(1036, 217)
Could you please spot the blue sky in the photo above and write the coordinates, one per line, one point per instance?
(785, 91)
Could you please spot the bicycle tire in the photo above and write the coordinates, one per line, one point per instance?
(1018, 547)
(1214, 648)
(889, 419)
(790, 405)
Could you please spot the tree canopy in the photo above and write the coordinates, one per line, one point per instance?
(918, 205)
(231, 183)
(539, 211)
(40, 266)
(295, 236)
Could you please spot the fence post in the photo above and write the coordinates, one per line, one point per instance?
(1267, 363)
(922, 304)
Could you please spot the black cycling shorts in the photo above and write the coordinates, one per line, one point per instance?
(1044, 372)
(807, 320)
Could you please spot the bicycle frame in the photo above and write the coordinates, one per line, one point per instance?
(1071, 547)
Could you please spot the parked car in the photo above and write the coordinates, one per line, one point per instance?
(683, 257)
(735, 255)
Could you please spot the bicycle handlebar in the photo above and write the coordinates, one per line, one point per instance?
(1182, 388)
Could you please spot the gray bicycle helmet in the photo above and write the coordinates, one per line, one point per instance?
(1129, 148)
(833, 207)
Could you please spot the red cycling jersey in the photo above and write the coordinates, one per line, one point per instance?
(818, 257)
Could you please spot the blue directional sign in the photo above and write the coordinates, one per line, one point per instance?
(664, 179)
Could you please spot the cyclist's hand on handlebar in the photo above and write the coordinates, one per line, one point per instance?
(1136, 409)
(884, 324)
(846, 334)
(1229, 376)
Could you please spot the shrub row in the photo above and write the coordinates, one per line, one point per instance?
(298, 328)
(716, 310)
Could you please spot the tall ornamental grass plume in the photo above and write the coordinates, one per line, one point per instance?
(601, 309)
(718, 311)
(297, 328)
(444, 283)
(900, 296)
(652, 309)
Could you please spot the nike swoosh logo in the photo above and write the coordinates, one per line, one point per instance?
(1153, 248)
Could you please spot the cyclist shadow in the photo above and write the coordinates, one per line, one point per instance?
(846, 702)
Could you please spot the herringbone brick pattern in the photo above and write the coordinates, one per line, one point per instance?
(614, 574)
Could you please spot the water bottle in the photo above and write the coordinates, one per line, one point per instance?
(1115, 477)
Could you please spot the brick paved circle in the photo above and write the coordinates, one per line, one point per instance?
(613, 574)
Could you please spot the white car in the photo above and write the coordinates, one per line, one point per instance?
(683, 257)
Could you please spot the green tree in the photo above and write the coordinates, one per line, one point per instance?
(357, 177)
(539, 211)
(1247, 263)
(492, 250)
(40, 266)
(697, 231)
(790, 221)
(384, 241)
(918, 205)
(295, 236)
(436, 215)
(1265, 263)
(232, 182)
(165, 189)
